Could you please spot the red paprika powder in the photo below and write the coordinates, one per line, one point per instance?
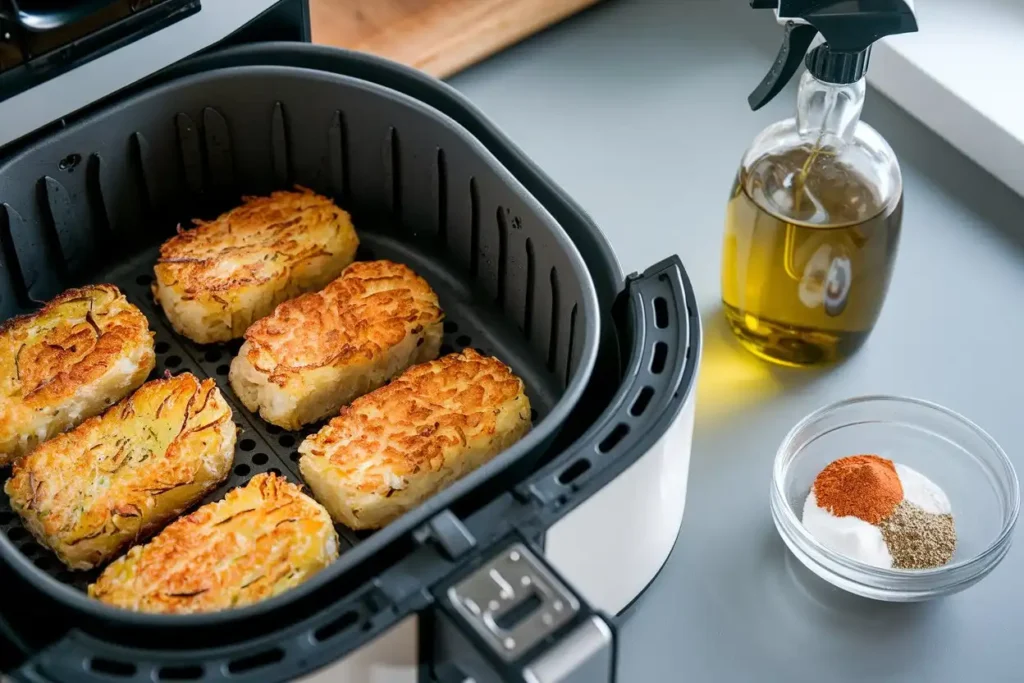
(864, 486)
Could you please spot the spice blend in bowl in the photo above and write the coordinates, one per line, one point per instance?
(883, 514)
(973, 470)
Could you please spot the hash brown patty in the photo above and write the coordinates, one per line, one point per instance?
(217, 279)
(320, 351)
(83, 351)
(118, 477)
(397, 446)
(262, 539)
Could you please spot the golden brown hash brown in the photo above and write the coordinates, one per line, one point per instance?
(262, 539)
(83, 351)
(217, 279)
(118, 477)
(317, 352)
(396, 446)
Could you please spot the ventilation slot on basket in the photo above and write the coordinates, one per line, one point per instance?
(660, 356)
(180, 673)
(73, 242)
(279, 146)
(265, 658)
(112, 667)
(94, 196)
(33, 253)
(393, 171)
(572, 341)
(531, 277)
(614, 437)
(337, 140)
(553, 340)
(218, 150)
(641, 402)
(140, 158)
(9, 305)
(660, 313)
(190, 153)
(474, 228)
(573, 472)
(502, 256)
(442, 199)
(333, 628)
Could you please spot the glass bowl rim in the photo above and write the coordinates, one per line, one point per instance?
(898, 576)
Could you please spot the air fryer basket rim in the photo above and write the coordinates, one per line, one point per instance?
(589, 340)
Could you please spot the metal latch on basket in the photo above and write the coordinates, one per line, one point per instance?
(527, 619)
(513, 602)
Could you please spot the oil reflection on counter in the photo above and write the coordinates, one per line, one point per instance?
(732, 379)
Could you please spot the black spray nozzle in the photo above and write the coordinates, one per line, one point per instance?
(848, 27)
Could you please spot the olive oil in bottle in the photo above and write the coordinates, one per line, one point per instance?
(813, 221)
(807, 257)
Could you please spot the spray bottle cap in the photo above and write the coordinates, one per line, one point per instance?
(848, 27)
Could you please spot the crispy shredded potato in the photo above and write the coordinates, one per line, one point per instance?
(117, 478)
(84, 351)
(217, 279)
(262, 539)
(316, 353)
(395, 447)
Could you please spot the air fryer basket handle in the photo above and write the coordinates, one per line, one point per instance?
(659, 339)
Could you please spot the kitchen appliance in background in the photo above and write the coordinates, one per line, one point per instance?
(549, 541)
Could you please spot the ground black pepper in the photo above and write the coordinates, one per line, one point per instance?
(918, 539)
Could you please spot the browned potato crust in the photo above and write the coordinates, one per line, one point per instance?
(118, 477)
(316, 353)
(395, 447)
(85, 350)
(260, 540)
(217, 279)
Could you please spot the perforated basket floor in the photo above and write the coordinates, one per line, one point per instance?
(262, 447)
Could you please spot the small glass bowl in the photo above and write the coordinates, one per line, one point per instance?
(945, 447)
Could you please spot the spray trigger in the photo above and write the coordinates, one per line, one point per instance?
(795, 43)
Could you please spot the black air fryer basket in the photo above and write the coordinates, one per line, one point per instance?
(520, 271)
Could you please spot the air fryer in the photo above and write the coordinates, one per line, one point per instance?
(517, 571)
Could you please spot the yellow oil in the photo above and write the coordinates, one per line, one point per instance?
(808, 255)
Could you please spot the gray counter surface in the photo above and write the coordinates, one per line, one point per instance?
(638, 108)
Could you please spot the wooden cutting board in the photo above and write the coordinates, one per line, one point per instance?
(440, 37)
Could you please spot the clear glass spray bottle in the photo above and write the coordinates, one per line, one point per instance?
(813, 221)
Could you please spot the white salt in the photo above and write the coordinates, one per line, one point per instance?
(849, 536)
(922, 491)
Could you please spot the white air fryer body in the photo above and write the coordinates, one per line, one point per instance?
(610, 548)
